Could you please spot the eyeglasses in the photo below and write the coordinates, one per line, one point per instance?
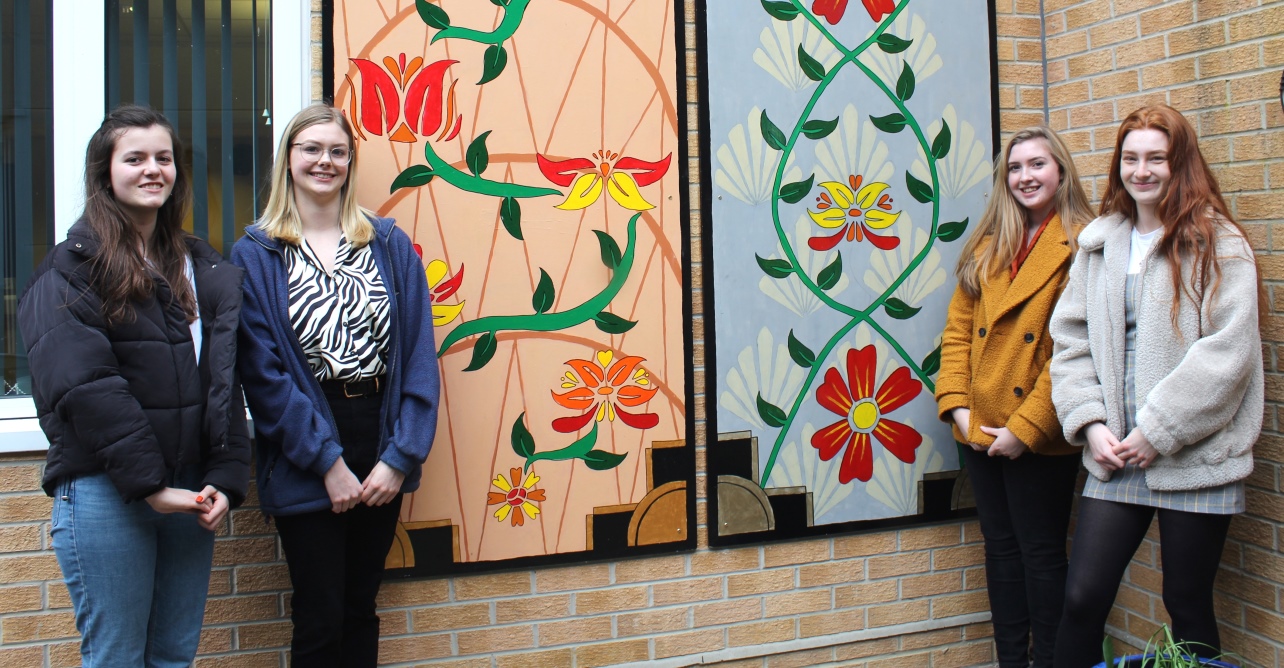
(339, 155)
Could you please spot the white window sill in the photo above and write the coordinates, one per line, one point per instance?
(19, 428)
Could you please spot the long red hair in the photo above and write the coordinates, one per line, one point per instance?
(1191, 209)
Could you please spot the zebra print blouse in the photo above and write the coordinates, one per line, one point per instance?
(342, 319)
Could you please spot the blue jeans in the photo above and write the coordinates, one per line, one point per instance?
(137, 578)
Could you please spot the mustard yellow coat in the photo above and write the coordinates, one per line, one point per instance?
(996, 349)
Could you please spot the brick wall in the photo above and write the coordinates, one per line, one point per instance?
(913, 597)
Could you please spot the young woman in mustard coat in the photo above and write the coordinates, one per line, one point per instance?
(995, 388)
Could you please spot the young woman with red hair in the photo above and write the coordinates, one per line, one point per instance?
(1158, 371)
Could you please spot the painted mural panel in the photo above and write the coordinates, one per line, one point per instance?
(847, 148)
(533, 152)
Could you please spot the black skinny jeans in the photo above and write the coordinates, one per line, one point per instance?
(336, 560)
(1105, 539)
(1024, 507)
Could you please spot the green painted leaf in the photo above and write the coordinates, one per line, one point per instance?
(771, 414)
(781, 11)
(433, 15)
(601, 460)
(792, 193)
(483, 350)
(610, 249)
(800, 353)
(932, 363)
(891, 123)
(499, 3)
(523, 442)
(772, 134)
(921, 191)
(493, 62)
(905, 84)
(810, 66)
(828, 277)
(899, 309)
(892, 44)
(819, 129)
(941, 145)
(575, 450)
(510, 214)
(951, 231)
(542, 300)
(477, 156)
(413, 177)
(775, 268)
(612, 324)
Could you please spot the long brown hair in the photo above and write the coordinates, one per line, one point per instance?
(1001, 231)
(119, 267)
(1190, 211)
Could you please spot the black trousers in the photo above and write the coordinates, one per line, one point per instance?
(1105, 539)
(336, 560)
(1024, 508)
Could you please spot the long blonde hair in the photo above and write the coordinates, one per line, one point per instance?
(1001, 232)
(280, 219)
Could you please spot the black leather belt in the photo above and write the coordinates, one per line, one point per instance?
(354, 389)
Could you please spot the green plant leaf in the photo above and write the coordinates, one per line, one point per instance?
(499, 3)
(800, 353)
(413, 177)
(612, 324)
(610, 249)
(771, 414)
(932, 363)
(771, 134)
(792, 193)
(542, 300)
(899, 309)
(601, 460)
(576, 450)
(891, 123)
(941, 145)
(433, 15)
(810, 66)
(818, 129)
(483, 350)
(921, 191)
(828, 277)
(781, 11)
(951, 231)
(905, 84)
(510, 214)
(775, 268)
(477, 157)
(493, 62)
(523, 442)
(890, 43)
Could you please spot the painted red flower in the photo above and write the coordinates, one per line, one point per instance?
(607, 167)
(515, 499)
(833, 10)
(441, 288)
(864, 414)
(603, 389)
(400, 90)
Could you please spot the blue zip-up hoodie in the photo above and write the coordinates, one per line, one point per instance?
(295, 434)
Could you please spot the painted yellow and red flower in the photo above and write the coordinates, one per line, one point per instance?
(515, 498)
(621, 177)
(864, 413)
(602, 389)
(398, 89)
(441, 288)
(855, 212)
(833, 10)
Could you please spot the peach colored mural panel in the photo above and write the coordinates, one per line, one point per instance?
(531, 150)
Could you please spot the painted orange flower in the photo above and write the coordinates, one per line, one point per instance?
(603, 389)
(855, 212)
(622, 176)
(515, 498)
(833, 10)
(400, 89)
(864, 413)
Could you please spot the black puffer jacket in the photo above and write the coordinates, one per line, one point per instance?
(130, 399)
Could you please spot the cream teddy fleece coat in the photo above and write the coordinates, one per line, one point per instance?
(1199, 387)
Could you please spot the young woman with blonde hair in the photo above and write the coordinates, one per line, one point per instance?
(994, 387)
(340, 373)
(1158, 372)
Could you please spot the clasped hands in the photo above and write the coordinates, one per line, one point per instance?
(1113, 454)
(209, 505)
(1005, 444)
(381, 486)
